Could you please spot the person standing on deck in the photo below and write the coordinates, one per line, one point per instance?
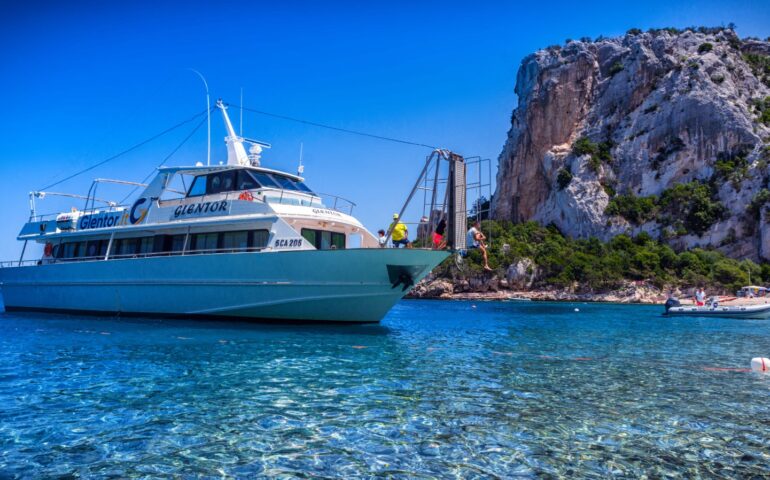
(382, 239)
(439, 242)
(475, 239)
(399, 233)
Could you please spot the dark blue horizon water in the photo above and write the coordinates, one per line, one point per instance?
(439, 389)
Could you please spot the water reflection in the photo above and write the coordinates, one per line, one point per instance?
(439, 389)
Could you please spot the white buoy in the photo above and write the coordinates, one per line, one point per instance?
(761, 365)
(577, 309)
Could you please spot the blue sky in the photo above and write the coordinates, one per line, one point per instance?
(82, 81)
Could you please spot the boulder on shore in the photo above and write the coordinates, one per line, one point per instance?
(521, 275)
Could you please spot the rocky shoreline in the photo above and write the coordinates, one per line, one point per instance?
(522, 280)
(492, 288)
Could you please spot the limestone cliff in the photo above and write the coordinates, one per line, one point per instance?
(645, 123)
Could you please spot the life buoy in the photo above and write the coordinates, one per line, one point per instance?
(246, 196)
(48, 250)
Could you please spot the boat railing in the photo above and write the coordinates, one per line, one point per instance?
(307, 199)
(50, 261)
(337, 203)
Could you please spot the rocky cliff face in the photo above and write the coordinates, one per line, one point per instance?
(669, 129)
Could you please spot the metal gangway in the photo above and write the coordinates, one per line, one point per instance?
(446, 189)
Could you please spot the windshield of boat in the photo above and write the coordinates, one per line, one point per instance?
(236, 180)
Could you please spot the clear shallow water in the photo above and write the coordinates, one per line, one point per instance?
(439, 389)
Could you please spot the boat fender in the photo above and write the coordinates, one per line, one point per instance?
(760, 364)
(48, 250)
(246, 196)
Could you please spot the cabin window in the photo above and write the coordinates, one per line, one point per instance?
(265, 180)
(309, 235)
(338, 240)
(146, 245)
(97, 248)
(291, 184)
(242, 179)
(246, 181)
(259, 239)
(92, 248)
(198, 187)
(285, 182)
(167, 243)
(204, 241)
(324, 239)
(221, 182)
(230, 241)
(302, 187)
(235, 240)
(242, 240)
(69, 250)
(127, 246)
(177, 242)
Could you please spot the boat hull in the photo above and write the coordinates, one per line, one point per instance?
(756, 312)
(354, 285)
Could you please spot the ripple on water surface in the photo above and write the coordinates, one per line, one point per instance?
(439, 389)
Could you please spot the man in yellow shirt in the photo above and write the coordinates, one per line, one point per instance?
(399, 233)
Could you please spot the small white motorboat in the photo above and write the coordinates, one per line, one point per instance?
(714, 309)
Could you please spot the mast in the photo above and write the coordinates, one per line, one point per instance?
(208, 115)
(236, 153)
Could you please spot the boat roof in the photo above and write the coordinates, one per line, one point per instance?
(204, 169)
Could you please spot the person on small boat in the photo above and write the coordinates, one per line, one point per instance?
(399, 233)
(475, 239)
(700, 297)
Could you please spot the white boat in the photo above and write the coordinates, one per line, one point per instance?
(749, 311)
(242, 241)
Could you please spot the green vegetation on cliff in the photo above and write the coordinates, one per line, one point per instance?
(599, 152)
(762, 109)
(687, 207)
(595, 266)
(760, 66)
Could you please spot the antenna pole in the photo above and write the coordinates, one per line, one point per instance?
(241, 133)
(208, 116)
(301, 168)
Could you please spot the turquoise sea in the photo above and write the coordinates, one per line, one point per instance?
(437, 390)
